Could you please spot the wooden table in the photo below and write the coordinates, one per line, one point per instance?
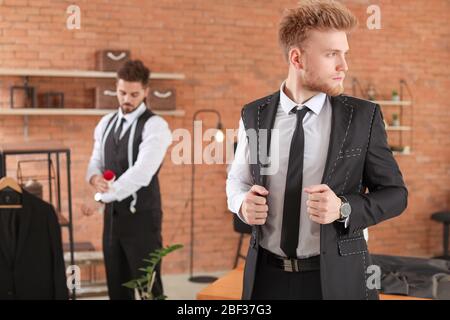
(229, 287)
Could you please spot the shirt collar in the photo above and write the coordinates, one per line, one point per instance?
(315, 103)
(130, 117)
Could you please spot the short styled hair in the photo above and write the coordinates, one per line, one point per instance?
(321, 15)
(134, 71)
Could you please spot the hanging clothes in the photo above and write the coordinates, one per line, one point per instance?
(411, 276)
(31, 254)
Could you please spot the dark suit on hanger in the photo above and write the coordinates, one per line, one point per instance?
(31, 254)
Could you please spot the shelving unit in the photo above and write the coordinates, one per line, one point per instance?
(393, 103)
(74, 112)
(23, 72)
(406, 124)
(26, 73)
(398, 128)
(52, 153)
(402, 153)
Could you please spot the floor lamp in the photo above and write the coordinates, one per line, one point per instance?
(218, 137)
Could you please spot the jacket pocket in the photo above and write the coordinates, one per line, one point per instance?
(350, 153)
(351, 246)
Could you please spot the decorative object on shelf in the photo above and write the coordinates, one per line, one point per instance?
(106, 97)
(401, 123)
(34, 187)
(371, 92)
(29, 92)
(29, 180)
(397, 148)
(395, 96)
(111, 60)
(395, 120)
(143, 286)
(162, 98)
(52, 99)
(355, 84)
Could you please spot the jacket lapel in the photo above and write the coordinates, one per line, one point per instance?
(266, 121)
(341, 118)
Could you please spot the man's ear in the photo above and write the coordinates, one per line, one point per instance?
(146, 91)
(295, 58)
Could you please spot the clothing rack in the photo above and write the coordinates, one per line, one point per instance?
(53, 153)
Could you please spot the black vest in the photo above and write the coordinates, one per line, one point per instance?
(116, 159)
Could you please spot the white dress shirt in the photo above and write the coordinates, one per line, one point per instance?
(317, 127)
(156, 138)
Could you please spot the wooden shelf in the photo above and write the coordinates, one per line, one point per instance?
(31, 147)
(75, 112)
(79, 74)
(392, 103)
(401, 153)
(398, 128)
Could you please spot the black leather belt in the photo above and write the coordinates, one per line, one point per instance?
(291, 265)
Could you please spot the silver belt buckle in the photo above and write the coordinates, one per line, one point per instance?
(290, 265)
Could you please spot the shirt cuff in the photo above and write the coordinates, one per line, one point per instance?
(120, 193)
(345, 222)
(108, 197)
(236, 203)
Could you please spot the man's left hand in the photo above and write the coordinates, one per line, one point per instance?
(322, 205)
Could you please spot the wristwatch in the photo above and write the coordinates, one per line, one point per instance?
(345, 209)
(98, 197)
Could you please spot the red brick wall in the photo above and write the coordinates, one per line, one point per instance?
(229, 54)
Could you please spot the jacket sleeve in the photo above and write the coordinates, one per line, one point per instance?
(387, 197)
(59, 271)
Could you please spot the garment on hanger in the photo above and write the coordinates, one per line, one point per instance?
(31, 254)
(9, 229)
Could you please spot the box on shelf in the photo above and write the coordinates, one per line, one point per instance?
(106, 97)
(51, 99)
(160, 98)
(111, 60)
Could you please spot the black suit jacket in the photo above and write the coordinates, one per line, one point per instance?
(37, 271)
(358, 159)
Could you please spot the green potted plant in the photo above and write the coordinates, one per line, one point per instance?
(395, 120)
(143, 285)
(395, 96)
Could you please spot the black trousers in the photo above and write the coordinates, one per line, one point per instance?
(127, 240)
(272, 283)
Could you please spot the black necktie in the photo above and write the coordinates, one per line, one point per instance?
(118, 131)
(293, 192)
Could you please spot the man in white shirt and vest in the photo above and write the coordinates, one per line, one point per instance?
(132, 143)
(303, 189)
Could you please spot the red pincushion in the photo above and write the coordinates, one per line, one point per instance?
(109, 175)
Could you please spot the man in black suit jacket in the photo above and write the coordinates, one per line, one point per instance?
(302, 186)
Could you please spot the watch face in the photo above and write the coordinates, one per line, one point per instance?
(346, 210)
